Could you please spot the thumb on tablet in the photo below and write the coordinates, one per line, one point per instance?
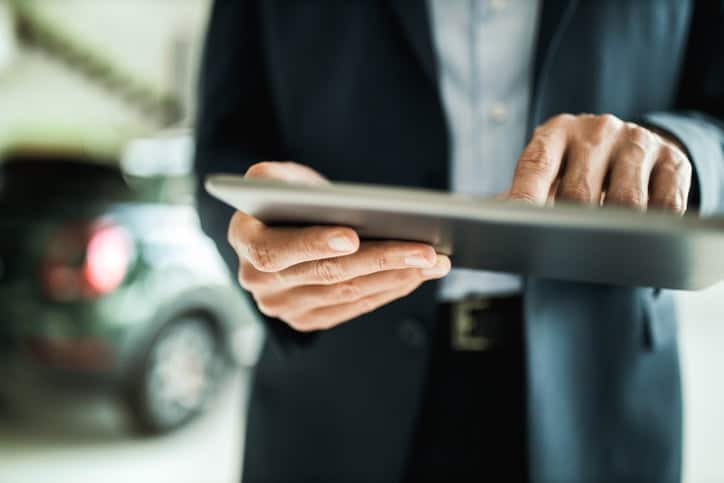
(287, 171)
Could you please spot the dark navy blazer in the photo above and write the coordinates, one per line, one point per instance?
(349, 88)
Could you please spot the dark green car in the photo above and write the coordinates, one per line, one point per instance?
(113, 288)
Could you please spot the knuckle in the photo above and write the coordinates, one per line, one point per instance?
(523, 195)
(266, 307)
(675, 166)
(266, 310)
(673, 156)
(669, 165)
(672, 201)
(382, 261)
(260, 254)
(667, 151)
(602, 127)
(404, 276)
(583, 152)
(639, 135)
(595, 138)
(307, 245)
(247, 277)
(608, 120)
(578, 191)
(537, 159)
(631, 196)
(632, 152)
(669, 202)
(348, 291)
(328, 270)
(561, 118)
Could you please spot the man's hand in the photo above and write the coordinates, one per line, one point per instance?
(317, 277)
(601, 159)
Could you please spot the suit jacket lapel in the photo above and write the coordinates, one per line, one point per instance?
(555, 15)
(415, 20)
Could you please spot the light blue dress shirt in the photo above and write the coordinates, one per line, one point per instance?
(485, 57)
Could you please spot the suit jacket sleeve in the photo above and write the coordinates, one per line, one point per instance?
(236, 126)
(699, 122)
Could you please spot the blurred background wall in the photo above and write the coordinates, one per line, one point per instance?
(97, 72)
(91, 75)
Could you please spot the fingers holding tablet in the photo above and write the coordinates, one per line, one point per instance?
(316, 277)
(371, 257)
(274, 249)
(315, 307)
(328, 316)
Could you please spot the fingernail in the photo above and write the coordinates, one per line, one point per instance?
(436, 271)
(341, 244)
(417, 261)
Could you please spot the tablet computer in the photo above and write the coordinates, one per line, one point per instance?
(568, 242)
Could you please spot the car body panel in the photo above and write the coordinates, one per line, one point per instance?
(175, 270)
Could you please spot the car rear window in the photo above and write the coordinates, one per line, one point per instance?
(46, 180)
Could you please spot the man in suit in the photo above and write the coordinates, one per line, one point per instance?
(383, 364)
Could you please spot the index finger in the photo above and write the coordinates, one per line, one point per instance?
(274, 249)
(539, 164)
(372, 257)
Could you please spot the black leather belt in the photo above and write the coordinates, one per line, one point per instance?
(482, 323)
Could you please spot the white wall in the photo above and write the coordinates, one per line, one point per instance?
(44, 101)
(702, 353)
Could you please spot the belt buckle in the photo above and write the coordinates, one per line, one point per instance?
(465, 328)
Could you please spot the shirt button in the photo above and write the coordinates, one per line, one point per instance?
(412, 333)
(499, 112)
(497, 6)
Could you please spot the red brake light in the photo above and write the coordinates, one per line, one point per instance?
(85, 261)
(107, 257)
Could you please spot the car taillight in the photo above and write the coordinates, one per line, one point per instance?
(84, 261)
(106, 261)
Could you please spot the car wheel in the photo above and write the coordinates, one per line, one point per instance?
(177, 376)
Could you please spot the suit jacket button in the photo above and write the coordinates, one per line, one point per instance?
(412, 333)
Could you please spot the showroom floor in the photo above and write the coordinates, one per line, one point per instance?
(209, 450)
(90, 445)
